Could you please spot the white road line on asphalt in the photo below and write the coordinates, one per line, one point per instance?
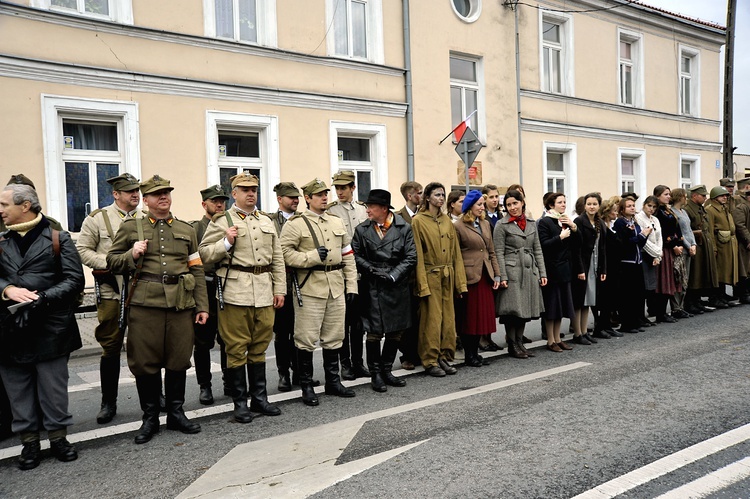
(711, 483)
(301, 463)
(667, 464)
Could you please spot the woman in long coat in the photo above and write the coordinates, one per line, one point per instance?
(522, 272)
(385, 254)
(652, 254)
(672, 240)
(631, 291)
(482, 276)
(440, 274)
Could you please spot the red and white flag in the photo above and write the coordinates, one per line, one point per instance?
(460, 129)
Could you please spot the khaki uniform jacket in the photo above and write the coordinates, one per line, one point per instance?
(257, 245)
(720, 219)
(405, 214)
(172, 250)
(741, 216)
(95, 240)
(703, 265)
(437, 251)
(352, 214)
(301, 252)
(279, 221)
(200, 227)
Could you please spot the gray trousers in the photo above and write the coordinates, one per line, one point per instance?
(42, 385)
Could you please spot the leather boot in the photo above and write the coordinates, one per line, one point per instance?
(174, 388)
(149, 390)
(296, 369)
(285, 384)
(304, 365)
(373, 362)
(256, 375)
(387, 358)
(283, 363)
(202, 360)
(355, 342)
(333, 382)
(515, 351)
(471, 350)
(236, 378)
(109, 375)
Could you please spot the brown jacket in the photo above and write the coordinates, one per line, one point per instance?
(477, 250)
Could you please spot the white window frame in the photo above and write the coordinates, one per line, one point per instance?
(695, 79)
(120, 11)
(377, 135)
(266, 19)
(477, 85)
(636, 63)
(267, 128)
(474, 13)
(54, 109)
(374, 21)
(695, 169)
(567, 61)
(639, 170)
(569, 152)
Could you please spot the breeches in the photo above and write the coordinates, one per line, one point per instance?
(319, 319)
(159, 338)
(246, 332)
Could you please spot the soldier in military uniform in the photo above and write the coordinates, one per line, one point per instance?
(97, 233)
(352, 213)
(245, 246)
(166, 295)
(317, 245)
(703, 276)
(721, 223)
(741, 214)
(214, 201)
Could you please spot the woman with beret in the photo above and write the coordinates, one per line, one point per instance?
(522, 272)
(589, 266)
(555, 232)
(482, 275)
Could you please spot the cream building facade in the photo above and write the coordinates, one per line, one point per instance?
(619, 97)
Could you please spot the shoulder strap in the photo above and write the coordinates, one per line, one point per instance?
(229, 218)
(312, 232)
(108, 224)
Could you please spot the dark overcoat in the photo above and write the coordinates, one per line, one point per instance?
(385, 306)
(556, 250)
(703, 273)
(53, 330)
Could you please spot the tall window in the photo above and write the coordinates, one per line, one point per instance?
(119, 11)
(360, 147)
(560, 170)
(631, 174)
(465, 90)
(86, 142)
(630, 68)
(249, 21)
(689, 82)
(238, 142)
(556, 42)
(626, 73)
(627, 175)
(689, 170)
(356, 29)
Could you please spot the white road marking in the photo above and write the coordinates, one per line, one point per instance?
(667, 464)
(302, 463)
(713, 482)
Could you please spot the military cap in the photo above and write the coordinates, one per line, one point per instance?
(244, 179)
(288, 189)
(343, 177)
(699, 189)
(314, 186)
(741, 183)
(718, 191)
(21, 179)
(726, 182)
(213, 192)
(124, 182)
(154, 184)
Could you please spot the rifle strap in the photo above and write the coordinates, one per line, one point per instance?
(312, 232)
(108, 224)
(138, 264)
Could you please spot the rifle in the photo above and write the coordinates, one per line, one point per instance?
(297, 291)
(97, 291)
(122, 322)
(220, 285)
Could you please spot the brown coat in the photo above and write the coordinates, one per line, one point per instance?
(721, 224)
(477, 250)
(741, 216)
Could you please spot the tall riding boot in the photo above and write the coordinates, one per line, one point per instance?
(223, 361)
(282, 364)
(296, 369)
(373, 363)
(387, 358)
(256, 375)
(344, 354)
(174, 388)
(356, 340)
(304, 364)
(149, 389)
(109, 375)
(471, 350)
(333, 382)
(236, 378)
(202, 359)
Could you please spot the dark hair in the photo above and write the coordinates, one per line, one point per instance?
(550, 198)
(427, 192)
(489, 187)
(454, 196)
(515, 194)
(621, 206)
(651, 200)
(580, 205)
(659, 190)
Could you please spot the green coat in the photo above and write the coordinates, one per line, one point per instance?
(703, 274)
(741, 214)
(722, 227)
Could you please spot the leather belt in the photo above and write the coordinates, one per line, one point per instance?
(250, 270)
(164, 279)
(326, 268)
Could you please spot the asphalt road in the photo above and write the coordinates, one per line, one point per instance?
(558, 425)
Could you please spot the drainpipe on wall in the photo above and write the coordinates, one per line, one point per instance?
(518, 97)
(409, 104)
